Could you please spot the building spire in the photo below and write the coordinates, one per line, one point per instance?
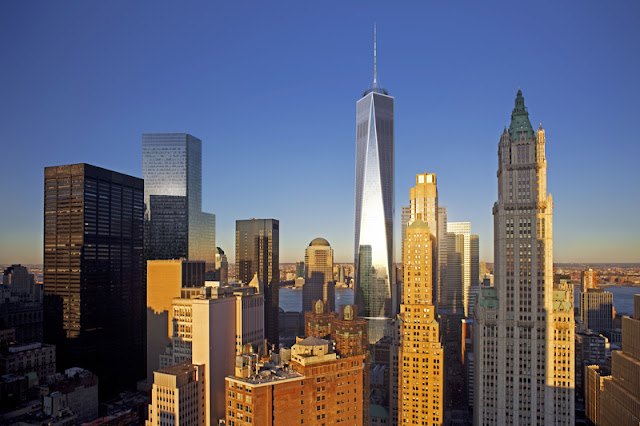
(375, 57)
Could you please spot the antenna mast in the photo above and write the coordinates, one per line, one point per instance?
(375, 52)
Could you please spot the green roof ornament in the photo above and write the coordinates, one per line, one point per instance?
(520, 124)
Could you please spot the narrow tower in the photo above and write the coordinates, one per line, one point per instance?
(524, 327)
(373, 254)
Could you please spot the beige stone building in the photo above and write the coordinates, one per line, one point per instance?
(615, 399)
(524, 326)
(421, 360)
(423, 205)
(178, 396)
(165, 280)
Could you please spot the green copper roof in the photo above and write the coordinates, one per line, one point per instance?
(520, 120)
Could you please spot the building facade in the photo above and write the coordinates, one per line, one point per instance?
(596, 309)
(615, 399)
(178, 396)
(458, 267)
(258, 252)
(524, 326)
(175, 226)
(94, 289)
(589, 279)
(318, 275)
(421, 357)
(165, 280)
(317, 388)
(375, 292)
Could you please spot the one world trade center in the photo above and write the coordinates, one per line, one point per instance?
(374, 290)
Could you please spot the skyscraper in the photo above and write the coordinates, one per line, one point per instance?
(318, 275)
(405, 216)
(443, 249)
(589, 279)
(258, 252)
(524, 326)
(596, 309)
(458, 266)
(421, 358)
(424, 206)
(94, 290)
(175, 226)
(373, 254)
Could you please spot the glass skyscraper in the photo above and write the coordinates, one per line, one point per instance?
(94, 288)
(175, 225)
(258, 252)
(373, 255)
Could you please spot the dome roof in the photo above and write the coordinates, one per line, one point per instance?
(319, 242)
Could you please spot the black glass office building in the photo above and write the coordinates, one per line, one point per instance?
(374, 287)
(94, 288)
(175, 226)
(258, 252)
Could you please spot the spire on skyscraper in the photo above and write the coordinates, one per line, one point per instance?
(520, 120)
(375, 56)
(375, 88)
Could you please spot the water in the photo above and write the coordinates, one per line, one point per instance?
(291, 299)
(622, 298)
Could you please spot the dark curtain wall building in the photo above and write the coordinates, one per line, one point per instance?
(94, 289)
(258, 251)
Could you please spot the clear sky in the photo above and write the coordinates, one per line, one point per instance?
(271, 88)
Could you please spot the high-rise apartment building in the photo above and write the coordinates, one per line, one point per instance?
(421, 357)
(318, 275)
(94, 290)
(165, 280)
(175, 226)
(375, 291)
(596, 309)
(178, 396)
(258, 252)
(589, 279)
(458, 267)
(524, 326)
(424, 206)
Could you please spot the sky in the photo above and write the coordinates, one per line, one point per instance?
(271, 89)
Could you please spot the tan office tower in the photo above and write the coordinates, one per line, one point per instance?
(165, 279)
(524, 327)
(589, 279)
(420, 359)
(405, 216)
(615, 399)
(424, 206)
(318, 275)
(177, 397)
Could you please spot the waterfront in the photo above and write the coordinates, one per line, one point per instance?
(291, 299)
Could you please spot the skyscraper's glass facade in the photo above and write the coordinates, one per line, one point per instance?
(94, 289)
(374, 295)
(258, 252)
(175, 224)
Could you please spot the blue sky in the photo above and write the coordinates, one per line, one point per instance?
(271, 87)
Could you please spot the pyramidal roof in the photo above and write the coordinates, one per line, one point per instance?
(520, 120)
(255, 282)
(418, 224)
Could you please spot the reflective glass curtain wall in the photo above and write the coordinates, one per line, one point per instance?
(373, 254)
(175, 225)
